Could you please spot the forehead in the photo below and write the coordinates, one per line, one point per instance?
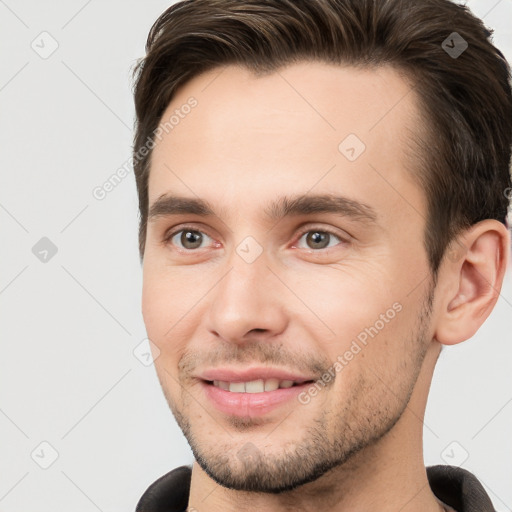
(308, 125)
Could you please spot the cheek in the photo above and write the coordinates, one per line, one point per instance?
(347, 299)
(154, 297)
(364, 321)
(170, 308)
(166, 297)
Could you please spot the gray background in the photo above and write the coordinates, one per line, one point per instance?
(69, 376)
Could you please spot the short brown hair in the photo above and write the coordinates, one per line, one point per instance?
(464, 159)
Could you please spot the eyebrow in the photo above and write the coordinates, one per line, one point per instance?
(167, 205)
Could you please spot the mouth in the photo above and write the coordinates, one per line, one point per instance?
(256, 386)
(240, 394)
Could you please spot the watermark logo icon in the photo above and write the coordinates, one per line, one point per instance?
(455, 454)
(44, 45)
(44, 250)
(351, 147)
(249, 454)
(146, 352)
(44, 455)
(456, 251)
(249, 249)
(454, 45)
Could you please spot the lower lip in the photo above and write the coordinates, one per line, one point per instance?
(250, 404)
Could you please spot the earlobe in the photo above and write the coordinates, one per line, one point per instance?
(473, 280)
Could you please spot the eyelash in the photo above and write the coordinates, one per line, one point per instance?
(168, 237)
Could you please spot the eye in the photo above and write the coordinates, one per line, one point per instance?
(319, 239)
(187, 238)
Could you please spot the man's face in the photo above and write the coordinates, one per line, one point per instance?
(247, 294)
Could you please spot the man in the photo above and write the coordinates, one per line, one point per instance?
(323, 197)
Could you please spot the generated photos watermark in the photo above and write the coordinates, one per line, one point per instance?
(101, 191)
(357, 345)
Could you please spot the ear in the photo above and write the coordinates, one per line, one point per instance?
(473, 270)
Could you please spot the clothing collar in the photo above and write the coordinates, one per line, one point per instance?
(452, 485)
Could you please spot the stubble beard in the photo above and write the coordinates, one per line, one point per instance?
(331, 441)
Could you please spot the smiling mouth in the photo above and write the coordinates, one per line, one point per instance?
(255, 386)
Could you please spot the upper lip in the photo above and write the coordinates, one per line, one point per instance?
(250, 374)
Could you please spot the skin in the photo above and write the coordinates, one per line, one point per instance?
(357, 445)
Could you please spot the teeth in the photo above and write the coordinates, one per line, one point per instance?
(271, 384)
(221, 384)
(253, 386)
(237, 387)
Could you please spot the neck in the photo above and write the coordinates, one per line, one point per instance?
(387, 476)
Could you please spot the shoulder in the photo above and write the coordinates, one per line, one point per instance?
(168, 493)
(459, 488)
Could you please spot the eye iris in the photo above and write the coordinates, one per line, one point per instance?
(191, 239)
(318, 237)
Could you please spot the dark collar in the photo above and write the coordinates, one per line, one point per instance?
(454, 486)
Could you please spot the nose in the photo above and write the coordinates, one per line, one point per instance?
(248, 302)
